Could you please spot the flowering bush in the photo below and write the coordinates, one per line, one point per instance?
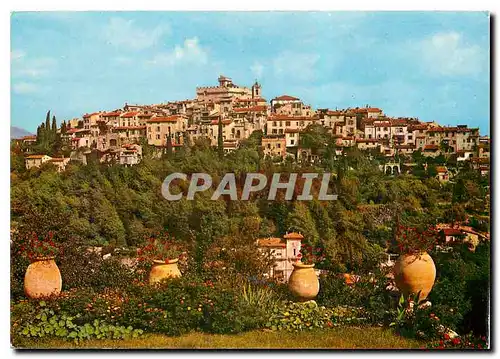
(468, 341)
(160, 247)
(411, 240)
(417, 321)
(37, 246)
(311, 255)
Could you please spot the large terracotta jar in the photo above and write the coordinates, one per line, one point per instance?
(42, 278)
(303, 282)
(414, 273)
(163, 270)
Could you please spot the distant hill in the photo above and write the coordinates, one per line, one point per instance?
(18, 132)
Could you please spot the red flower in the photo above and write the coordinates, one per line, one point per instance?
(446, 336)
(456, 341)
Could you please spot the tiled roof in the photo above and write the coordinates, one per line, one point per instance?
(111, 114)
(293, 235)
(250, 109)
(35, 156)
(270, 242)
(157, 119)
(291, 118)
(286, 98)
(130, 114)
(441, 169)
(129, 127)
(224, 122)
(431, 147)
(452, 232)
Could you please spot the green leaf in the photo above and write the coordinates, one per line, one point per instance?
(42, 303)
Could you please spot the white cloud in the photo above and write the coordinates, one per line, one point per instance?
(300, 66)
(25, 88)
(191, 52)
(25, 66)
(257, 69)
(449, 55)
(124, 33)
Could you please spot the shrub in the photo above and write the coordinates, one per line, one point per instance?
(369, 292)
(38, 320)
(293, 316)
(417, 321)
(82, 268)
(468, 341)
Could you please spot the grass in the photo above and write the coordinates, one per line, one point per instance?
(335, 338)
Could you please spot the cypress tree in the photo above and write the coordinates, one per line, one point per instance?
(54, 125)
(220, 140)
(47, 121)
(169, 144)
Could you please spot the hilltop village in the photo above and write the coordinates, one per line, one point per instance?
(235, 112)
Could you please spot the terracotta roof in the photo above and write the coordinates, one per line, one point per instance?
(286, 98)
(366, 140)
(57, 159)
(144, 115)
(35, 156)
(452, 232)
(271, 242)
(250, 109)
(417, 127)
(129, 114)
(129, 127)
(75, 130)
(431, 147)
(174, 118)
(30, 137)
(441, 169)
(257, 99)
(293, 235)
(292, 130)
(224, 122)
(90, 114)
(111, 114)
(291, 118)
(399, 122)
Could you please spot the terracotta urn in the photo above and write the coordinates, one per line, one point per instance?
(303, 282)
(163, 270)
(415, 273)
(42, 278)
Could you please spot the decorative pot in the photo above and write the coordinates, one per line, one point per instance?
(42, 278)
(164, 269)
(414, 273)
(303, 282)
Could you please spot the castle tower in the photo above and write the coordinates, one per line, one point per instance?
(256, 90)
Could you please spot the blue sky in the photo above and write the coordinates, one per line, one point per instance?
(430, 65)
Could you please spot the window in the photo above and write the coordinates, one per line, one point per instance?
(369, 136)
(269, 146)
(274, 123)
(157, 128)
(275, 131)
(157, 137)
(297, 123)
(280, 131)
(287, 123)
(278, 145)
(385, 128)
(292, 142)
(294, 252)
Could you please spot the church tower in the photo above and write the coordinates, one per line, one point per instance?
(256, 90)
